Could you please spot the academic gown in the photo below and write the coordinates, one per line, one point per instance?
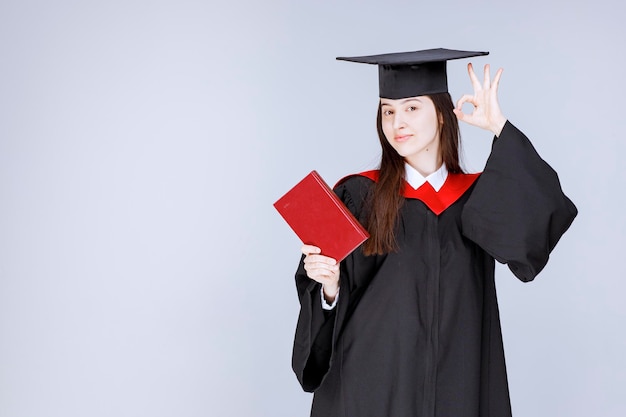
(416, 333)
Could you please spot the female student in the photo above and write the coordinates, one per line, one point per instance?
(408, 324)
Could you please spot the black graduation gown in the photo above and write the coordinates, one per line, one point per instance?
(417, 332)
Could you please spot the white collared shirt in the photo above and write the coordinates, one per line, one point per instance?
(416, 180)
(325, 304)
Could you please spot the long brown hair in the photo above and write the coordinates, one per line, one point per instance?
(386, 200)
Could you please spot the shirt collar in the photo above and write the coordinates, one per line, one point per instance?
(416, 180)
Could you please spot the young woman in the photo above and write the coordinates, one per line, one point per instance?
(408, 324)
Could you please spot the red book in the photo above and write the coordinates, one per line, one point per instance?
(320, 218)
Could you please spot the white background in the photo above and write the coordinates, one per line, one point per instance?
(143, 269)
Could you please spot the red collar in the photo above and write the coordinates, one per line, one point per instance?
(453, 188)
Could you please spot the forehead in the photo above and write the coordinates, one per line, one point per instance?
(400, 101)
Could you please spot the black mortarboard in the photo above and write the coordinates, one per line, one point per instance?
(410, 74)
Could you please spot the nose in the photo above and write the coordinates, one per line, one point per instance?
(398, 120)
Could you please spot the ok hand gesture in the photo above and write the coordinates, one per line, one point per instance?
(486, 114)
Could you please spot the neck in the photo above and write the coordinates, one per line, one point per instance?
(425, 163)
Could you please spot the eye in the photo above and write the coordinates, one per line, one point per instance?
(412, 108)
(387, 112)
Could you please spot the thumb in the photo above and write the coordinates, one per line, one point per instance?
(460, 115)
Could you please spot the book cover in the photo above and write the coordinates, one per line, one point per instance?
(320, 218)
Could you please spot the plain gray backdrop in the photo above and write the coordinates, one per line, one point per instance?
(143, 269)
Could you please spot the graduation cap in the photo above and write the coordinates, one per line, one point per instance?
(410, 74)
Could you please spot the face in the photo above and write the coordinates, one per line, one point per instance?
(411, 126)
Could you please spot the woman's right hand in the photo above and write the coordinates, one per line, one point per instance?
(322, 269)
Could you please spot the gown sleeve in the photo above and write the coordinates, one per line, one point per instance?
(312, 349)
(517, 211)
(316, 329)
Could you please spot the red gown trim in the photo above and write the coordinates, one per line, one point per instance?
(438, 201)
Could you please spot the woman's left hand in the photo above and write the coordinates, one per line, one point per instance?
(486, 114)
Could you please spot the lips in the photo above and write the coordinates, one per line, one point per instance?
(402, 138)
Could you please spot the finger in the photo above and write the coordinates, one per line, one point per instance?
(496, 79)
(473, 77)
(459, 114)
(487, 78)
(311, 258)
(321, 266)
(326, 281)
(317, 268)
(467, 98)
(464, 117)
(319, 275)
(309, 249)
(323, 277)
